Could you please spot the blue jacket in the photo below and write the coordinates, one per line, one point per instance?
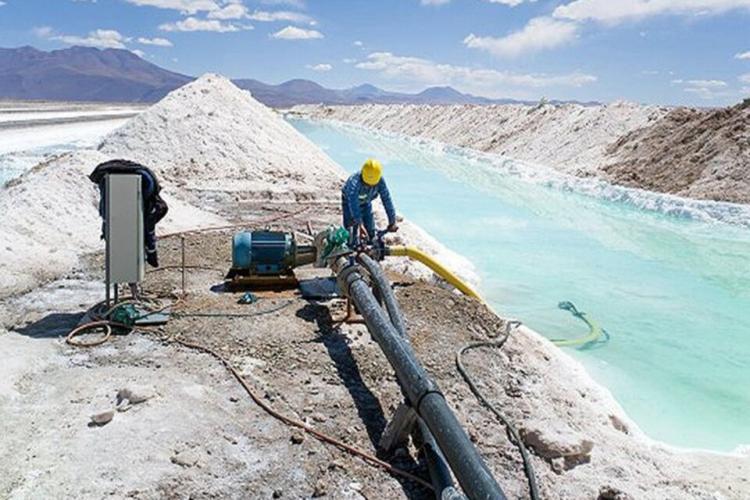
(358, 195)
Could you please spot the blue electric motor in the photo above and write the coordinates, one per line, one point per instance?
(263, 253)
(266, 257)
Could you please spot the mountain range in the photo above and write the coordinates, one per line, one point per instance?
(115, 75)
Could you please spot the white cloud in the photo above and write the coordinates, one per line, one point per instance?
(320, 67)
(298, 4)
(511, 3)
(348, 60)
(281, 15)
(709, 84)
(294, 33)
(539, 34)
(610, 11)
(705, 89)
(742, 55)
(358, 43)
(486, 81)
(186, 6)
(2, 3)
(194, 24)
(103, 39)
(158, 42)
(744, 78)
(229, 11)
(139, 53)
(43, 31)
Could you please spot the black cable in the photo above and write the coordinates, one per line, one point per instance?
(232, 315)
(513, 435)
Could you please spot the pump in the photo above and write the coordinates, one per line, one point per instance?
(267, 259)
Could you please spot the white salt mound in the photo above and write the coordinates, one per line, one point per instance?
(571, 138)
(51, 218)
(210, 134)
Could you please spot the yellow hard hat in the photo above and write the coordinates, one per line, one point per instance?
(372, 171)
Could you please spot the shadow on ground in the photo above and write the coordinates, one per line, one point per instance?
(368, 406)
(51, 326)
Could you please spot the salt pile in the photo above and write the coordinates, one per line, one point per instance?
(572, 138)
(51, 218)
(210, 134)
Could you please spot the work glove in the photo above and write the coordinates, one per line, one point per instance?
(362, 234)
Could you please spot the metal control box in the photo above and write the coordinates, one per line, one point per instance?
(124, 228)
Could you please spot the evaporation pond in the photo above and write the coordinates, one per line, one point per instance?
(673, 293)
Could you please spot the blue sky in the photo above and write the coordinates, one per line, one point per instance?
(693, 52)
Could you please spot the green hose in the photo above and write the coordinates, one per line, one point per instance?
(596, 332)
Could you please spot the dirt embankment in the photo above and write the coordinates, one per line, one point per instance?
(696, 153)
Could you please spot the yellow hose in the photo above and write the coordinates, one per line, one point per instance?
(595, 333)
(435, 266)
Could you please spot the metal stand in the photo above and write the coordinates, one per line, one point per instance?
(182, 246)
(399, 428)
(351, 317)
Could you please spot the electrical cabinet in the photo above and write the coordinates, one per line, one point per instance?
(124, 228)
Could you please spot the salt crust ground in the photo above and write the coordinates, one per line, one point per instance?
(48, 389)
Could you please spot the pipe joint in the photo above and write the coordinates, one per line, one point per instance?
(431, 388)
(348, 276)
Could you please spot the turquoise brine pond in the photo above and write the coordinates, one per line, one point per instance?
(668, 278)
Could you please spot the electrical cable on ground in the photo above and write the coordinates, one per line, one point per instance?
(367, 457)
(108, 326)
(211, 314)
(513, 435)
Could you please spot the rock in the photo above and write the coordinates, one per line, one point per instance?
(102, 418)
(186, 458)
(321, 488)
(556, 442)
(319, 417)
(612, 493)
(297, 438)
(130, 396)
(619, 424)
(278, 493)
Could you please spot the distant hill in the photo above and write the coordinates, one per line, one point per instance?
(83, 74)
(308, 92)
(114, 75)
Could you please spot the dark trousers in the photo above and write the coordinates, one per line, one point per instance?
(367, 218)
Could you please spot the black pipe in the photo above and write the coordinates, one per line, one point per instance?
(384, 287)
(422, 392)
(440, 474)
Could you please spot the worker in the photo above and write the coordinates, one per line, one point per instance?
(356, 200)
(154, 207)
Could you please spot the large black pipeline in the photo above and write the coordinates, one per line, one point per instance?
(440, 473)
(384, 288)
(422, 392)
